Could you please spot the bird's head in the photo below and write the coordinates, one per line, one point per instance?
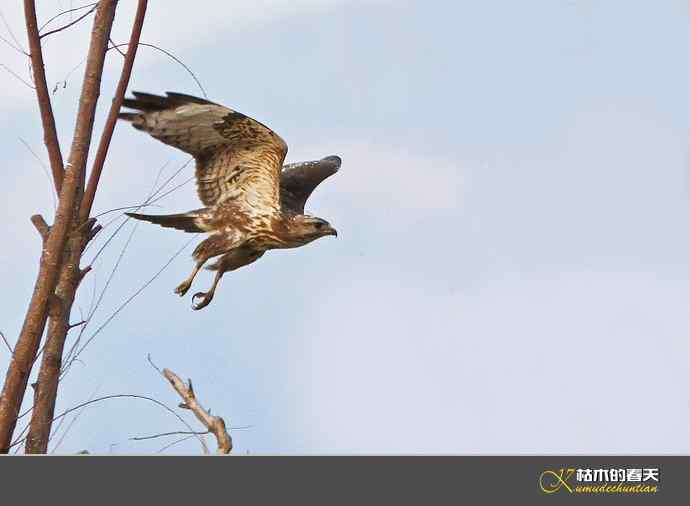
(309, 228)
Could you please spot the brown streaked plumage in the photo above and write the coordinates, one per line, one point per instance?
(253, 203)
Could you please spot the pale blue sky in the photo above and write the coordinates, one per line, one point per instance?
(511, 273)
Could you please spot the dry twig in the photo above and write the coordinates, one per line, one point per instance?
(19, 440)
(71, 23)
(214, 424)
(6, 343)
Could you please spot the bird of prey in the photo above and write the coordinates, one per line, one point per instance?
(252, 203)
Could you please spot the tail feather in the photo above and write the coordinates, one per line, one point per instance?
(185, 221)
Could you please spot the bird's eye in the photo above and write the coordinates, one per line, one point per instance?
(319, 224)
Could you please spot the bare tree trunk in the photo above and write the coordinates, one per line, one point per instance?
(71, 188)
(59, 324)
(46, 386)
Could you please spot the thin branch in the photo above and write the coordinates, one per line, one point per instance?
(164, 434)
(14, 38)
(47, 118)
(152, 46)
(28, 410)
(105, 288)
(7, 343)
(146, 203)
(150, 361)
(150, 201)
(68, 11)
(17, 76)
(92, 301)
(173, 57)
(113, 46)
(64, 27)
(72, 354)
(126, 302)
(115, 267)
(214, 424)
(183, 183)
(45, 171)
(19, 441)
(95, 303)
(19, 50)
(123, 208)
(111, 238)
(55, 430)
(174, 443)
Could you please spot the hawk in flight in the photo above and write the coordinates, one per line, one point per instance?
(252, 202)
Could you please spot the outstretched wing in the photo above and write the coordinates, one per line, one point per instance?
(236, 156)
(298, 181)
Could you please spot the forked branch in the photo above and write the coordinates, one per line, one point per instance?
(214, 424)
(71, 23)
(70, 183)
(71, 275)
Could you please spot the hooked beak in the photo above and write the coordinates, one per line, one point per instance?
(331, 231)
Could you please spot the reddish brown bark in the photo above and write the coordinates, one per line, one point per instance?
(110, 122)
(69, 199)
(50, 137)
(46, 387)
(45, 394)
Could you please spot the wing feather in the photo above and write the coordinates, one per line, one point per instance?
(236, 156)
(298, 181)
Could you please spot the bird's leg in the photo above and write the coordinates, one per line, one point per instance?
(215, 245)
(187, 283)
(207, 297)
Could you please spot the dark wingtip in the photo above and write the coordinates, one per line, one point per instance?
(189, 99)
(137, 216)
(148, 102)
(334, 159)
